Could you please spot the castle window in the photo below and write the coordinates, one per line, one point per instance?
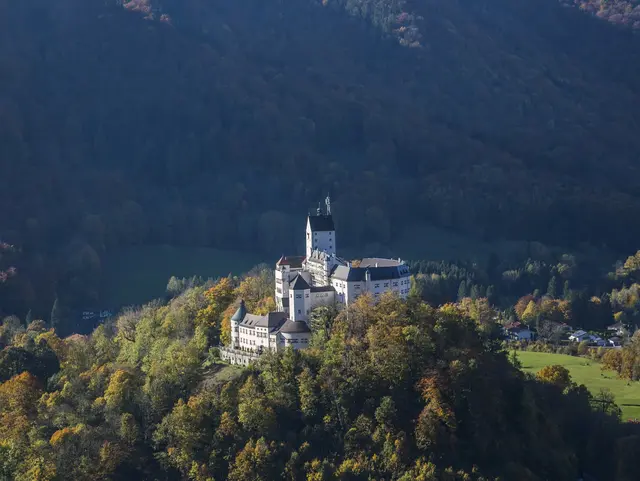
(395, 284)
(386, 284)
(377, 286)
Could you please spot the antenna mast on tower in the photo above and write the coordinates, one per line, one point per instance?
(327, 201)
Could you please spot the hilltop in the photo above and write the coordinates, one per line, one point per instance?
(214, 123)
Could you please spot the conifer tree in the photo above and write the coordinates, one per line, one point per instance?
(566, 291)
(491, 292)
(552, 288)
(54, 321)
(462, 290)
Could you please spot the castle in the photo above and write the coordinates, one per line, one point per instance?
(303, 283)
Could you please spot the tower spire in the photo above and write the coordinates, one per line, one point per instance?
(327, 201)
(319, 210)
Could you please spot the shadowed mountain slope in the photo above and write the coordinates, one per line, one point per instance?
(219, 123)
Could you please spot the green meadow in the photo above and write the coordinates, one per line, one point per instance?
(588, 372)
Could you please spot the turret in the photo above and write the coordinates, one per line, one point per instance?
(299, 299)
(236, 319)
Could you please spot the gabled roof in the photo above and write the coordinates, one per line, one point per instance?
(358, 274)
(295, 327)
(298, 283)
(321, 223)
(380, 262)
(295, 262)
(273, 320)
(578, 334)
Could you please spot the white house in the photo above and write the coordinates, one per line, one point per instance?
(615, 341)
(618, 328)
(520, 333)
(579, 336)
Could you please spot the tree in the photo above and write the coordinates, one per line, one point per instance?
(254, 413)
(605, 402)
(253, 463)
(515, 360)
(491, 292)
(55, 320)
(557, 375)
(522, 305)
(552, 288)
(530, 314)
(307, 393)
(175, 286)
(219, 298)
(462, 290)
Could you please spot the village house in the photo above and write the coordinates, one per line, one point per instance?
(579, 336)
(516, 331)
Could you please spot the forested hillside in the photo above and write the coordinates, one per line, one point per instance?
(619, 12)
(388, 391)
(213, 123)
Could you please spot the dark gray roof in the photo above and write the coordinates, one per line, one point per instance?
(379, 262)
(357, 274)
(298, 283)
(295, 262)
(322, 289)
(240, 313)
(273, 320)
(294, 327)
(321, 223)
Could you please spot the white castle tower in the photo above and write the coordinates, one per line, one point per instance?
(299, 302)
(321, 233)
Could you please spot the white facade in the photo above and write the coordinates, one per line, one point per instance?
(374, 276)
(320, 234)
(299, 300)
(287, 268)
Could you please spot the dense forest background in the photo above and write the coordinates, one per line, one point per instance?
(217, 123)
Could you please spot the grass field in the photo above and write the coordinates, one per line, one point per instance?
(140, 274)
(587, 372)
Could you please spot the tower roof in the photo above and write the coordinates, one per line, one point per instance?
(299, 284)
(240, 313)
(294, 327)
(321, 223)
